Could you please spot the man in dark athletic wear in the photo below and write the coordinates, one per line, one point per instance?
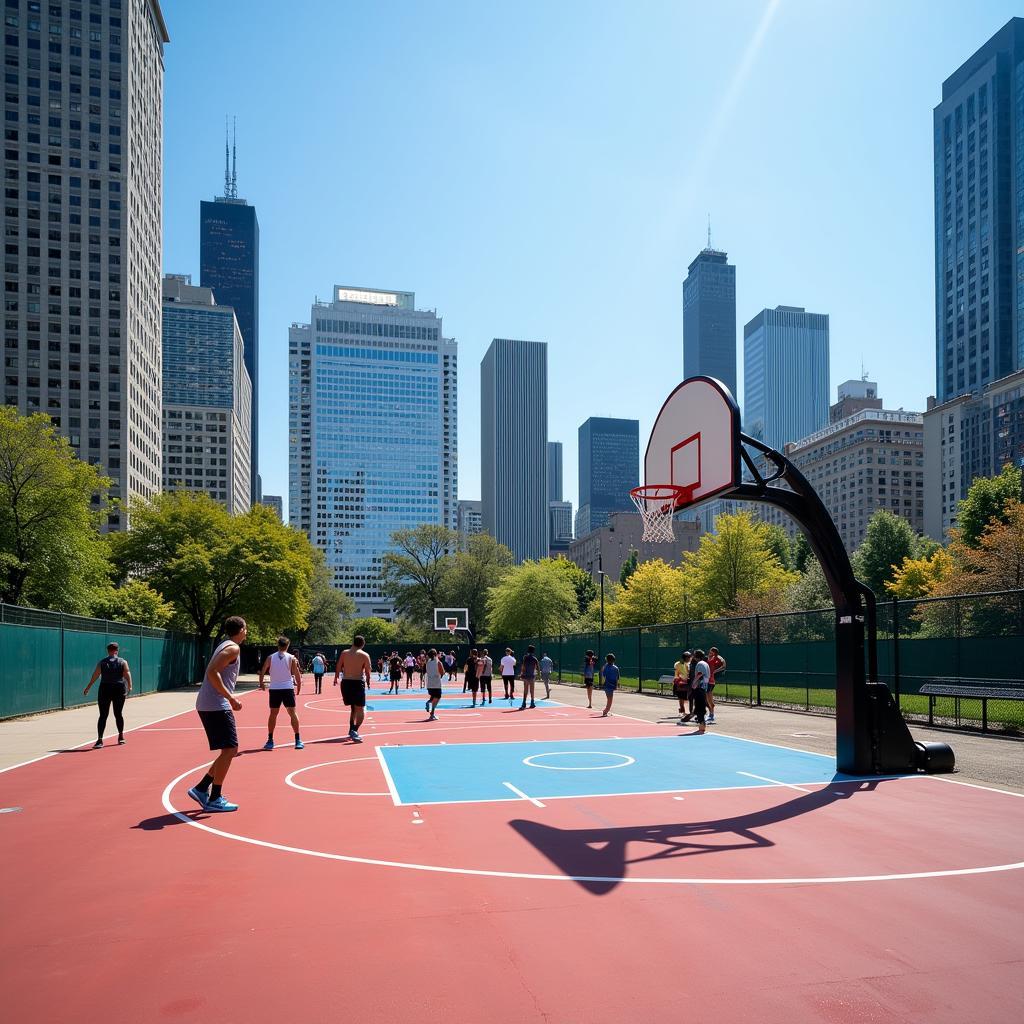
(529, 676)
(115, 686)
(355, 669)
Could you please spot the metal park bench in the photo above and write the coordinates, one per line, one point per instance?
(665, 683)
(970, 689)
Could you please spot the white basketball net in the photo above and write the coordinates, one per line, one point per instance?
(452, 625)
(657, 505)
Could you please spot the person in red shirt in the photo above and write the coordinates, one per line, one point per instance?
(717, 665)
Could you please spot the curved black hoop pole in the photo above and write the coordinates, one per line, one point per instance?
(871, 735)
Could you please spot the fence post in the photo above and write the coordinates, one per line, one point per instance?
(639, 660)
(757, 656)
(896, 650)
(62, 661)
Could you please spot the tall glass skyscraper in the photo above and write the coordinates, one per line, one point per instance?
(207, 396)
(709, 319)
(229, 263)
(554, 470)
(785, 374)
(979, 217)
(513, 445)
(609, 466)
(372, 431)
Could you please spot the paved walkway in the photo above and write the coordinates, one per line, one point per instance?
(987, 760)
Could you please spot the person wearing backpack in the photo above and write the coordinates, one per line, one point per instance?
(115, 685)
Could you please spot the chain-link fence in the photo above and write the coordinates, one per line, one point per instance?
(971, 644)
(48, 657)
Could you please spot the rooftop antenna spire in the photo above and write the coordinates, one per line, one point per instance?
(234, 165)
(709, 230)
(227, 174)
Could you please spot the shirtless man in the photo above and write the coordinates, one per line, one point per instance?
(354, 668)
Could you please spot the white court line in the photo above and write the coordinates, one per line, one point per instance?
(626, 880)
(774, 782)
(387, 776)
(85, 743)
(972, 785)
(520, 793)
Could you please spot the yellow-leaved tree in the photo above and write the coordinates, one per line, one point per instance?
(918, 577)
(737, 559)
(652, 594)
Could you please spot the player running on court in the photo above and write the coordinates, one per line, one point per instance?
(355, 669)
(285, 685)
(472, 680)
(508, 673)
(394, 672)
(529, 674)
(610, 679)
(433, 672)
(216, 703)
(115, 685)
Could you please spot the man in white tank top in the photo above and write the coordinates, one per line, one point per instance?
(285, 684)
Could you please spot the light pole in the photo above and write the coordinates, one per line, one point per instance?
(601, 573)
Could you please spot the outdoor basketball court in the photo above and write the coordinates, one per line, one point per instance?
(503, 865)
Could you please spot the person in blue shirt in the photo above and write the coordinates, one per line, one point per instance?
(610, 679)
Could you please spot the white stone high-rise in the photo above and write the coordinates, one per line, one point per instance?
(83, 155)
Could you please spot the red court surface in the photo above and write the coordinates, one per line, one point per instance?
(890, 900)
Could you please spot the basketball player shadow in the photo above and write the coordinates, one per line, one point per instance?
(600, 858)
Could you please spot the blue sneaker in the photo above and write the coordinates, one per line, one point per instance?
(220, 804)
(269, 745)
(299, 745)
(354, 736)
(199, 796)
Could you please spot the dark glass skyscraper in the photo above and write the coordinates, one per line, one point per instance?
(709, 318)
(229, 263)
(979, 217)
(609, 466)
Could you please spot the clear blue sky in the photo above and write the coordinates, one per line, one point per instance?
(544, 171)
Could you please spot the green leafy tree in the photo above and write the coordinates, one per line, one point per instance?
(533, 599)
(480, 565)
(888, 541)
(133, 601)
(413, 573)
(653, 594)
(582, 582)
(374, 630)
(809, 590)
(918, 577)
(800, 552)
(629, 566)
(328, 608)
(51, 554)
(736, 559)
(986, 501)
(209, 564)
(779, 544)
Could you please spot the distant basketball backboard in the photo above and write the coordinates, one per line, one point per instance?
(448, 620)
(695, 442)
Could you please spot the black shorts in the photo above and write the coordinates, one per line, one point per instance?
(317, 676)
(434, 691)
(279, 696)
(353, 693)
(485, 681)
(473, 684)
(220, 728)
(396, 677)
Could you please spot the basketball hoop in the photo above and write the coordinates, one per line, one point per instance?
(452, 625)
(657, 504)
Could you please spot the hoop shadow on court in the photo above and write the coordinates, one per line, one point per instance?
(601, 857)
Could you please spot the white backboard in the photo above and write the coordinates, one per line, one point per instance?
(695, 441)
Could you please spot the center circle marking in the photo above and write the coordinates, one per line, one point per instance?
(290, 779)
(625, 761)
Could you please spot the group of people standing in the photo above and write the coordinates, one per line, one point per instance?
(694, 686)
(391, 667)
(479, 671)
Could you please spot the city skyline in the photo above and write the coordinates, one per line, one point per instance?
(642, 250)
